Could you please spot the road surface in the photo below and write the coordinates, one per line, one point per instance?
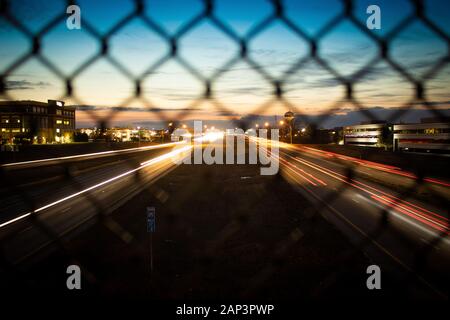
(34, 214)
(397, 229)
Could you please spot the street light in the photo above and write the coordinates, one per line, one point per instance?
(281, 122)
(289, 116)
(266, 124)
(139, 136)
(184, 126)
(257, 125)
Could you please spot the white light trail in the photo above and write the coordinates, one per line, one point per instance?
(142, 165)
(171, 144)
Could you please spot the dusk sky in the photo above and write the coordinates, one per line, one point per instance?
(312, 90)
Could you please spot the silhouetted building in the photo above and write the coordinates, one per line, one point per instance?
(36, 122)
(435, 120)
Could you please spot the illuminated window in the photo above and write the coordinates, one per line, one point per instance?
(66, 122)
(58, 121)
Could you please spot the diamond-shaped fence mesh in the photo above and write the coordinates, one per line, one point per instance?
(280, 84)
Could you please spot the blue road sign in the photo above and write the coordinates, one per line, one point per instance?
(151, 219)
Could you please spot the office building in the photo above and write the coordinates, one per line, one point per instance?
(369, 135)
(422, 137)
(36, 122)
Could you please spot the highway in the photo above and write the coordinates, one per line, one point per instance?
(359, 204)
(33, 215)
(370, 206)
(33, 184)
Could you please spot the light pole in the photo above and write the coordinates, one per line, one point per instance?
(139, 136)
(289, 116)
(282, 131)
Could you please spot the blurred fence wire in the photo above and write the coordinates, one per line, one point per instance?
(278, 14)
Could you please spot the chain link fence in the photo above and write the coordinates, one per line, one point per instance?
(279, 96)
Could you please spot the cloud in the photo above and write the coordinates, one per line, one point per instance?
(132, 109)
(248, 90)
(25, 85)
(177, 96)
(331, 119)
(347, 116)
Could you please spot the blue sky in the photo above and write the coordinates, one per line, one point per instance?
(241, 89)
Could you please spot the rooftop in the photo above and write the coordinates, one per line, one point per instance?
(36, 103)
